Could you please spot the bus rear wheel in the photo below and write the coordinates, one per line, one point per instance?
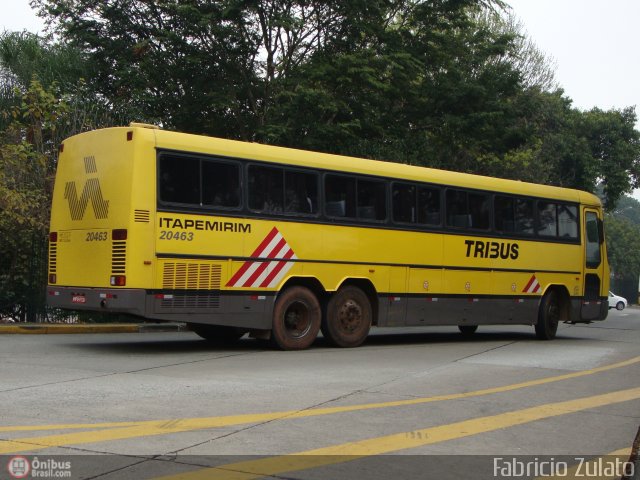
(548, 316)
(296, 319)
(217, 334)
(348, 319)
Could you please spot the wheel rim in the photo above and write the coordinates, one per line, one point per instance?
(297, 320)
(350, 316)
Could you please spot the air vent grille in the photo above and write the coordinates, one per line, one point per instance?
(191, 276)
(192, 302)
(53, 257)
(118, 256)
(141, 216)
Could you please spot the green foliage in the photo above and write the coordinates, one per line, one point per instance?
(622, 250)
(34, 119)
(26, 180)
(628, 208)
(614, 145)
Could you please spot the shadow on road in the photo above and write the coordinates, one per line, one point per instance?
(187, 342)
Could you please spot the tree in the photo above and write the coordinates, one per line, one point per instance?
(624, 256)
(614, 144)
(36, 117)
(26, 181)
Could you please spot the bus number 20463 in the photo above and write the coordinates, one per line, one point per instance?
(169, 235)
(96, 237)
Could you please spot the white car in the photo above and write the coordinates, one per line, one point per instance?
(618, 302)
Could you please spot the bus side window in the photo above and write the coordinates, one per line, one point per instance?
(220, 184)
(457, 211)
(568, 221)
(480, 208)
(429, 206)
(301, 192)
(372, 200)
(468, 210)
(403, 200)
(266, 189)
(179, 179)
(524, 216)
(340, 196)
(505, 214)
(547, 219)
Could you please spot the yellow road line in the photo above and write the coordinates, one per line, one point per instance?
(124, 430)
(68, 426)
(346, 452)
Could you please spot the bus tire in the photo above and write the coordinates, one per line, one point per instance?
(548, 316)
(217, 334)
(467, 329)
(296, 319)
(348, 319)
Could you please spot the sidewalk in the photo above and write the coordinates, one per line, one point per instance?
(63, 328)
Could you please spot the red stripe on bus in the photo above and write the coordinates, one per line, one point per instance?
(277, 269)
(254, 276)
(265, 242)
(245, 266)
(531, 280)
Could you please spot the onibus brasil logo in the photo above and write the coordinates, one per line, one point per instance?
(21, 467)
(90, 191)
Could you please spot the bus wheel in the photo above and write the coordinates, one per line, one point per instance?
(467, 329)
(348, 318)
(548, 316)
(217, 333)
(296, 319)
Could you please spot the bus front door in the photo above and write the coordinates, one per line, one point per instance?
(593, 266)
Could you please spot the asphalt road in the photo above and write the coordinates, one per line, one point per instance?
(410, 403)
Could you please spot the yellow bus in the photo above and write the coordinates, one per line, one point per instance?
(233, 237)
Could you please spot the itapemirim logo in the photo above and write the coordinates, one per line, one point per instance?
(90, 191)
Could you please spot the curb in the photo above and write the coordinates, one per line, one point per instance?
(52, 328)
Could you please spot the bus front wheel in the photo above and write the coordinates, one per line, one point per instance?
(548, 316)
(348, 318)
(296, 319)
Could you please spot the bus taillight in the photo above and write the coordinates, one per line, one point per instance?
(118, 280)
(53, 237)
(119, 234)
(53, 278)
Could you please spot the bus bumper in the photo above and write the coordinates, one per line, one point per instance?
(211, 307)
(129, 300)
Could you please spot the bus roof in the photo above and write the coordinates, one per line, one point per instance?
(184, 142)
